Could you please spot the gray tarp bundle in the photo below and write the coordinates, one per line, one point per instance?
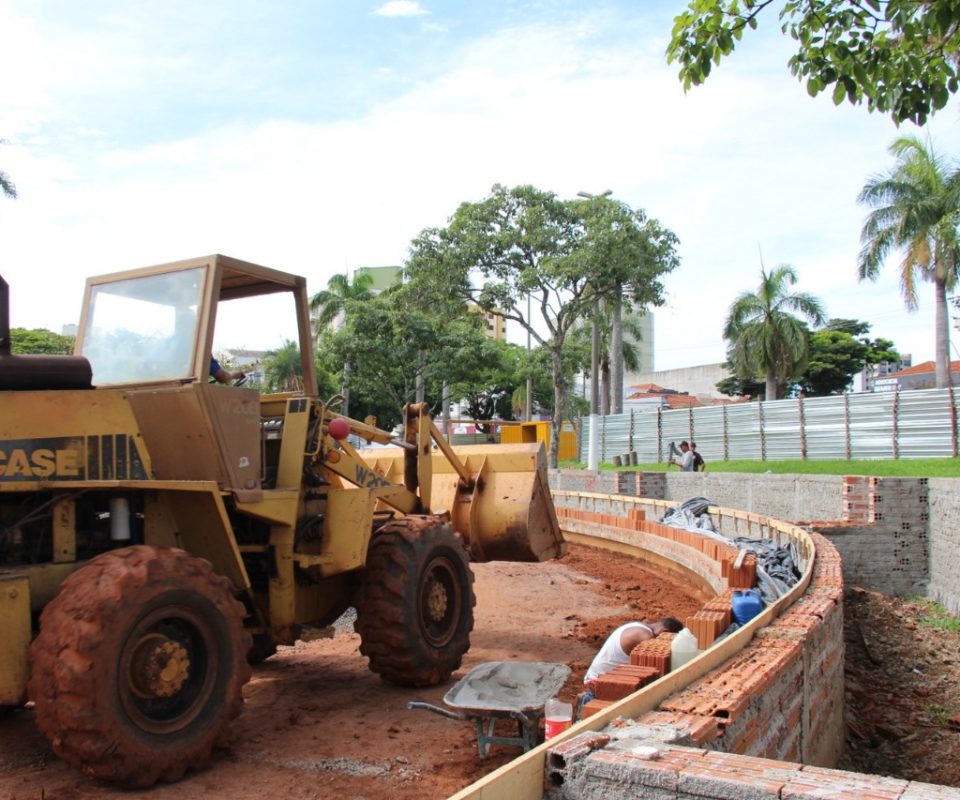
(691, 515)
(776, 564)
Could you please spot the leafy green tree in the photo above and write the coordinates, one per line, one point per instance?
(39, 341)
(488, 377)
(916, 207)
(837, 353)
(336, 302)
(630, 250)
(6, 184)
(395, 342)
(282, 369)
(519, 242)
(764, 337)
(900, 56)
(740, 387)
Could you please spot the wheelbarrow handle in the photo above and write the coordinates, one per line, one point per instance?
(530, 722)
(436, 710)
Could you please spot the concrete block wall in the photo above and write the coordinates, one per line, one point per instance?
(885, 543)
(944, 542)
(669, 772)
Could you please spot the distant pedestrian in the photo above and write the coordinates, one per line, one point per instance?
(699, 465)
(686, 458)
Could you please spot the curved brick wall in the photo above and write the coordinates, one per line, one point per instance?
(757, 716)
(780, 696)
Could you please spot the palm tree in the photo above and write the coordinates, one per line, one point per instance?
(341, 292)
(609, 364)
(6, 185)
(765, 338)
(621, 355)
(334, 302)
(283, 369)
(916, 209)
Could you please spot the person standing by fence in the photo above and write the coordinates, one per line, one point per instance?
(699, 465)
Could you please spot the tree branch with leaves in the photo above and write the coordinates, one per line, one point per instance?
(898, 56)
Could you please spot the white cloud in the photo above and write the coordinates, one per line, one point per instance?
(743, 164)
(401, 8)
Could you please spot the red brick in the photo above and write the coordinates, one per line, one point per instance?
(594, 706)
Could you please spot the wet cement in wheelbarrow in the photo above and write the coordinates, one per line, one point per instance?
(507, 685)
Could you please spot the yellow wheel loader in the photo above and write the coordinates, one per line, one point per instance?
(159, 531)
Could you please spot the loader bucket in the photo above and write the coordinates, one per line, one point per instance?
(506, 515)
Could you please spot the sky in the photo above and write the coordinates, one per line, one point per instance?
(320, 136)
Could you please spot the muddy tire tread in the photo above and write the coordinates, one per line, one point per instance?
(68, 684)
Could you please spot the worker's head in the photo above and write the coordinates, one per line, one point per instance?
(666, 625)
(684, 446)
(693, 445)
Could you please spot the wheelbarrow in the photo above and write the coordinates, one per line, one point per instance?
(502, 689)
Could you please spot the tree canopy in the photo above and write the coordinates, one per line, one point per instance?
(39, 341)
(898, 56)
(524, 242)
(837, 353)
(282, 369)
(396, 340)
(7, 186)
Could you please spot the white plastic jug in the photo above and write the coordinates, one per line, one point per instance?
(558, 716)
(683, 648)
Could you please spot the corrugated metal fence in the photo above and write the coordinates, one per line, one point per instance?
(907, 424)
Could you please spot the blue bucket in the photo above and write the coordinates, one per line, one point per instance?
(747, 603)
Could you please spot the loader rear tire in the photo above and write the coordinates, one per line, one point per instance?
(415, 605)
(139, 665)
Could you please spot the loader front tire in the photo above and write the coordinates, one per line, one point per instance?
(415, 605)
(139, 665)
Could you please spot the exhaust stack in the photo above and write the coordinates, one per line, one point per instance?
(42, 372)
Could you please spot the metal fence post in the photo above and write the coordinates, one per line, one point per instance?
(953, 420)
(803, 429)
(659, 434)
(726, 440)
(603, 437)
(846, 427)
(763, 439)
(895, 431)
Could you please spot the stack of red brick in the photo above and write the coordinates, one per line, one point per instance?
(618, 683)
(649, 660)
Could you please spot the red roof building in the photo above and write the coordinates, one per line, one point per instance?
(919, 376)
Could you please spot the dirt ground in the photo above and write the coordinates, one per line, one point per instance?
(902, 690)
(318, 724)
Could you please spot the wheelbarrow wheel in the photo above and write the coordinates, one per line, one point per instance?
(415, 605)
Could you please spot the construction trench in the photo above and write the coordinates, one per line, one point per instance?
(759, 714)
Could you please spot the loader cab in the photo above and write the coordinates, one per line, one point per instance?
(148, 334)
(156, 325)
